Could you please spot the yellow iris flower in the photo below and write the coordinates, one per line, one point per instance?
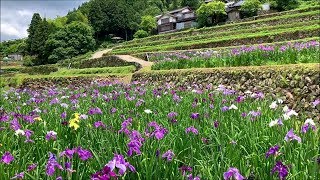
(38, 118)
(73, 123)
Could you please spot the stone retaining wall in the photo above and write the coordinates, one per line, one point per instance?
(297, 85)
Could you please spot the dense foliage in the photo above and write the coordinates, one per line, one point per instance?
(137, 131)
(74, 39)
(211, 13)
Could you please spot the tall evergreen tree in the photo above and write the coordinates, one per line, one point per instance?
(32, 45)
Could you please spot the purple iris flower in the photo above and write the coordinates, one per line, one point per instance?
(113, 110)
(52, 164)
(51, 135)
(15, 125)
(195, 115)
(83, 154)
(190, 177)
(192, 129)
(135, 143)
(119, 162)
(172, 115)
(232, 173)
(18, 176)
(281, 169)
(104, 174)
(216, 124)
(31, 167)
(93, 111)
(291, 136)
(7, 158)
(168, 155)
(99, 124)
(224, 108)
(54, 101)
(306, 127)
(185, 169)
(272, 151)
(240, 99)
(63, 115)
(4, 118)
(316, 102)
(28, 133)
(68, 153)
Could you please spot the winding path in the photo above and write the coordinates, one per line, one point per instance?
(146, 65)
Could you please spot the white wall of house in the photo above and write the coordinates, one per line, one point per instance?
(171, 19)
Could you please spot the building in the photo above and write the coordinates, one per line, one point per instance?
(233, 10)
(15, 57)
(176, 20)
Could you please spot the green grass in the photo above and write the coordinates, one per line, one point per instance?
(104, 70)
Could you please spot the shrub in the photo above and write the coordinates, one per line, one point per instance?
(28, 60)
(43, 69)
(284, 5)
(250, 8)
(141, 34)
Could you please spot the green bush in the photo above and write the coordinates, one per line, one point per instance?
(28, 60)
(43, 69)
(250, 8)
(141, 34)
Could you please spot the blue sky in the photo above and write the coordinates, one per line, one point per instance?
(16, 14)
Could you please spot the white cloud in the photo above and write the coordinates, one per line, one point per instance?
(13, 30)
(25, 12)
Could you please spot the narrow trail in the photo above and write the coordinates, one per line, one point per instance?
(99, 54)
(146, 65)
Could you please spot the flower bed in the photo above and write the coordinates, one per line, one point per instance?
(137, 131)
(290, 53)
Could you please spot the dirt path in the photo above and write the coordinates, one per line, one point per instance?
(145, 64)
(99, 54)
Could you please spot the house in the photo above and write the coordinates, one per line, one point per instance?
(15, 57)
(175, 20)
(232, 8)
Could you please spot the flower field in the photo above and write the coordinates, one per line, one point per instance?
(138, 131)
(256, 55)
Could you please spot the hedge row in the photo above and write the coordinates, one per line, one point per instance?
(250, 24)
(106, 61)
(298, 85)
(71, 82)
(101, 70)
(243, 39)
(43, 69)
(226, 33)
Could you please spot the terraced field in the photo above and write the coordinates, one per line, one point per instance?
(269, 29)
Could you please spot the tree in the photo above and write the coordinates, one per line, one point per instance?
(211, 13)
(33, 30)
(284, 5)
(141, 34)
(76, 16)
(250, 8)
(191, 3)
(148, 23)
(74, 39)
